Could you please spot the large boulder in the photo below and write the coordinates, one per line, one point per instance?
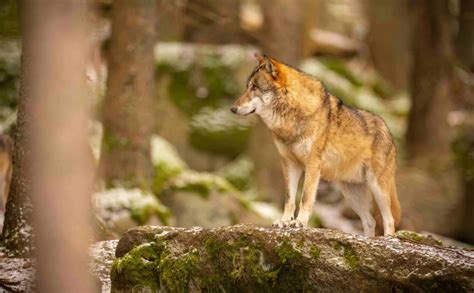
(250, 259)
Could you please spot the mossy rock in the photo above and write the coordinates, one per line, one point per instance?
(166, 161)
(239, 172)
(220, 132)
(202, 81)
(201, 76)
(252, 259)
(417, 237)
(120, 209)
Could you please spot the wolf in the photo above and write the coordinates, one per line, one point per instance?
(316, 133)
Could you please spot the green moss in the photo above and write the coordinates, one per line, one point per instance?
(151, 266)
(216, 248)
(239, 173)
(212, 90)
(314, 251)
(139, 267)
(142, 214)
(201, 183)
(249, 264)
(350, 256)
(263, 276)
(176, 271)
(287, 253)
(163, 173)
(410, 235)
(315, 221)
(112, 142)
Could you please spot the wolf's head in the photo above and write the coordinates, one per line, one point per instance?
(264, 84)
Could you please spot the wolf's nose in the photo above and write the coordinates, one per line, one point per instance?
(233, 110)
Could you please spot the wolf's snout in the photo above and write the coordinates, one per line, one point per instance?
(233, 110)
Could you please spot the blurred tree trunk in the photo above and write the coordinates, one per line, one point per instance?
(465, 40)
(17, 236)
(283, 32)
(60, 165)
(428, 134)
(128, 106)
(390, 27)
(214, 22)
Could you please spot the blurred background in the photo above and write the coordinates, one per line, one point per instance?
(162, 75)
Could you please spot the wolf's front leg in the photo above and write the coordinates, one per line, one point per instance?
(291, 173)
(311, 181)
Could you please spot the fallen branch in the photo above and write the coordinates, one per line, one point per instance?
(249, 259)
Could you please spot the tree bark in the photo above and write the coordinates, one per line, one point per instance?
(283, 33)
(17, 236)
(246, 259)
(215, 22)
(389, 39)
(128, 106)
(61, 164)
(428, 134)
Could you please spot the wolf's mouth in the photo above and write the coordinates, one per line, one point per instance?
(251, 112)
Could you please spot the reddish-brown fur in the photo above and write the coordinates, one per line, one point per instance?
(318, 134)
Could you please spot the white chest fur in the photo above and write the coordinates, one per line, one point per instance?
(298, 151)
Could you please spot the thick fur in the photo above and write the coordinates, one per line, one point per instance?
(316, 133)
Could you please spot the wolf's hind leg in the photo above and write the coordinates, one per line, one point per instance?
(381, 190)
(291, 173)
(361, 202)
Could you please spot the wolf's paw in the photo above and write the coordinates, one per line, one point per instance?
(297, 224)
(281, 224)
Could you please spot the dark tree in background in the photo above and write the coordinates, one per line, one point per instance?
(214, 22)
(17, 232)
(465, 39)
(17, 236)
(389, 39)
(428, 134)
(128, 106)
(283, 30)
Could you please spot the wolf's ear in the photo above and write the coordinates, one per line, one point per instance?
(260, 59)
(270, 66)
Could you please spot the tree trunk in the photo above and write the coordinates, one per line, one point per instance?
(283, 34)
(428, 134)
(214, 22)
(389, 39)
(128, 106)
(245, 259)
(61, 164)
(465, 39)
(17, 236)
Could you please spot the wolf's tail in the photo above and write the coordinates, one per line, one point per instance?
(395, 209)
(395, 206)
